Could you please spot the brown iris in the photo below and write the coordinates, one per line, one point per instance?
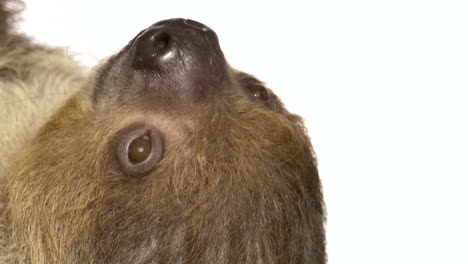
(139, 149)
(260, 93)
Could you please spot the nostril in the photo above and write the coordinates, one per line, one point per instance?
(175, 43)
(161, 43)
(152, 49)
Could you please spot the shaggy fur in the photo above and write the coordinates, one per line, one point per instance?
(238, 182)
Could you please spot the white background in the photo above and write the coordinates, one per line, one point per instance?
(382, 86)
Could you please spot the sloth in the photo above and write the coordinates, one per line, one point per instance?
(162, 153)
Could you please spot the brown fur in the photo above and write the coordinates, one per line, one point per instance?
(238, 182)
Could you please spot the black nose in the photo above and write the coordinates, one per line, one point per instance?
(175, 43)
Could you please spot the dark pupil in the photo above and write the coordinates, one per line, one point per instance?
(139, 150)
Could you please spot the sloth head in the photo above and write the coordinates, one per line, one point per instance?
(169, 155)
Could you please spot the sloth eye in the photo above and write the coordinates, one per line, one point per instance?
(255, 88)
(139, 149)
(260, 93)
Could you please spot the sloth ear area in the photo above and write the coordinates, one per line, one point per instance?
(258, 91)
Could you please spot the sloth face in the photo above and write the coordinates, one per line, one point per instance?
(169, 155)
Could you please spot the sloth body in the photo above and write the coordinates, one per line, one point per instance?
(223, 173)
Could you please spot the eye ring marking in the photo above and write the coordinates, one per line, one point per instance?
(139, 149)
